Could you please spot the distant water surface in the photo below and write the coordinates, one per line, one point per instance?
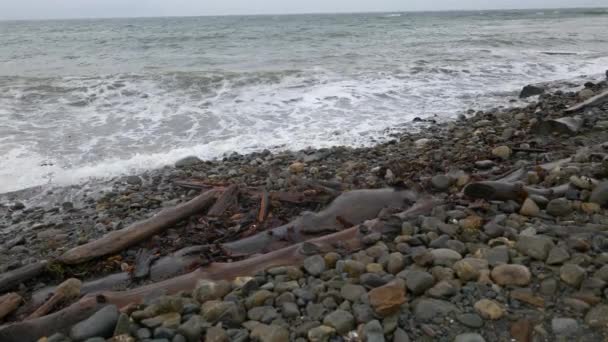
(98, 98)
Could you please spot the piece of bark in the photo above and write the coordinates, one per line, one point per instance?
(12, 279)
(31, 330)
(594, 101)
(143, 261)
(66, 291)
(354, 207)
(223, 202)
(9, 303)
(119, 240)
(264, 206)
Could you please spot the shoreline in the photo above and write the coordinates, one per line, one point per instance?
(440, 160)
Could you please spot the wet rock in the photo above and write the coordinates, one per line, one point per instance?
(559, 207)
(164, 333)
(469, 337)
(353, 268)
(387, 299)
(518, 275)
(188, 162)
(537, 247)
(101, 323)
(133, 180)
(400, 336)
(341, 320)
(530, 90)
(572, 274)
(258, 298)
(489, 309)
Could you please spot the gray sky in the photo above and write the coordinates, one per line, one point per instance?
(35, 9)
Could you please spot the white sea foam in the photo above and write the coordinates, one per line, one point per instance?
(98, 122)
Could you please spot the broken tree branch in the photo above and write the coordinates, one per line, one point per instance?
(224, 201)
(118, 240)
(15, 277)
(68, 290)
(264, 204)
(8, 303)
(594, 101)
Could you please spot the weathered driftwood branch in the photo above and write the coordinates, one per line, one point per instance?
(264, 206)
(503, 191)
(594, 101)
(116, 241)
(354, 207)
(66, 291)
(566, 125)
(347, 240)
(15, 277)
(224, 201)
(9, 303)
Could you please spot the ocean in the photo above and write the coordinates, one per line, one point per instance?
(97, 98)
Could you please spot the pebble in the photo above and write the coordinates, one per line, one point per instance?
(489, 309)
(564, 326)
(419, 281)
(427, 309)
(559, 207)
(395, 263)
(470, 320)
(502, 152)
(507, 274)
(529, 208)
(341, 320)
(469, 337)
(387, 299)
(192, 329)
(441, 182)
(557, 255)
(270, 333)
(373, 332)
(445, 257)
(572, 274)
(468, 269)
(537, 247)
(208, 290)
(321, 333)
(216, 334)
(352, 292)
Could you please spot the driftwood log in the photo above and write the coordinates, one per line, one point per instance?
(347, 240)
(9, 303)
(594, 101)
(116, 241)
(15, 277)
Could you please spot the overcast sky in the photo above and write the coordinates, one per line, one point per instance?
(35, 9)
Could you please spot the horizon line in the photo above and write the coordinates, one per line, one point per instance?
(300, 13)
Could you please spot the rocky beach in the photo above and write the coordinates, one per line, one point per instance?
(489, 227)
